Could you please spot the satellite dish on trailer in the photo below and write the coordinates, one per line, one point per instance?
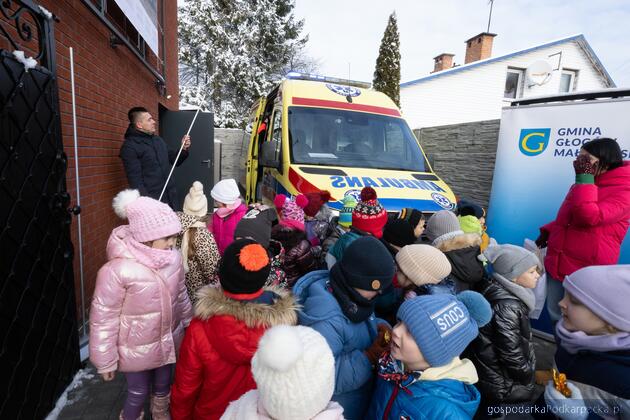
(538, 73)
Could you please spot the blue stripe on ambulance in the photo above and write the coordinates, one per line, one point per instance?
(396, 204)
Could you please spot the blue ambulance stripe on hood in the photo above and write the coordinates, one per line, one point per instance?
(396, 204)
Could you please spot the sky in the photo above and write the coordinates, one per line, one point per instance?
(344, 35)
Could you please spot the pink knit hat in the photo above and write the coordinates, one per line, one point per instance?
(291, 212)
(149, 219)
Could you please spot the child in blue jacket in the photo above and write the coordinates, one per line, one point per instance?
(340, 306)
(422, 377)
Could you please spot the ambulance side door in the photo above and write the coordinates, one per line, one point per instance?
(251, 163)
(271, 174)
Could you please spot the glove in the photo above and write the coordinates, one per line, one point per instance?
(541, 241)
(566, 408)
(380, 343)
(584, 170)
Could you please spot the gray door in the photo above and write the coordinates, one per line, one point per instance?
(199, 165)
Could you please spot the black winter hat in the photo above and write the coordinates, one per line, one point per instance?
(470, 208)
(413, 216)
(366, 265)
(256, 224)
(244, 267)
(399, 232)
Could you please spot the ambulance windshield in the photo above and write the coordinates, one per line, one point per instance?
(352, 139)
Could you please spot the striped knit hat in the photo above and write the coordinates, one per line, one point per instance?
(345, 214)
(368, 215)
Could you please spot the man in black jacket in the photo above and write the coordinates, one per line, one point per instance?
(146, 158)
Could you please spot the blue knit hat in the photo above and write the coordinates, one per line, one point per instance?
(443, 325)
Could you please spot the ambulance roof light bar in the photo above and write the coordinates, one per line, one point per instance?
(317, 78)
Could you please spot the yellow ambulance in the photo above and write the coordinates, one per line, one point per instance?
(318, 133)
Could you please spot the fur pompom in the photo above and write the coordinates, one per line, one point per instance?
(122, 200)
(280, 348)
(477, 305)
(279, 200)
(253, 257)
(368, 193)
(301, 201)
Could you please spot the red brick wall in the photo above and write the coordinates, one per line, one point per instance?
(107, 83)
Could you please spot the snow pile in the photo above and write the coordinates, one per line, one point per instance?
(46, 12)
(83, 374)
(27, 62)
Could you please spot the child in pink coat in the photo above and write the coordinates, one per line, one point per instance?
(230, 210)
(140, 307)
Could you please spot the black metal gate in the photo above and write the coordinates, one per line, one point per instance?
(39, 347)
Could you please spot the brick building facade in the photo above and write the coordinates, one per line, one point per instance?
(108, 81)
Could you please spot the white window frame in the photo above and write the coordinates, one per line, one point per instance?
(520, 83)
(573, 74)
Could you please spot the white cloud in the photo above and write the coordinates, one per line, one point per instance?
(350, 31)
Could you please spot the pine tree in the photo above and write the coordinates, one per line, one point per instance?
(233, 52)
(387, 73)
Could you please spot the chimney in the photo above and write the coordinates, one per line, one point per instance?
(479, 47)
(443, 61)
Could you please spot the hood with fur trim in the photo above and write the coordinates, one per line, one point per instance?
(212, 302)
(466, 240)
(462, 252)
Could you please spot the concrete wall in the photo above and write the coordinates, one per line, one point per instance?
(463, 156)
(234, 144)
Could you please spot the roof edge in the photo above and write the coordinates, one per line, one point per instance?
(452, 70)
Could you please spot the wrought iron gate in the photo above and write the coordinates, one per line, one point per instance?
(39, 347)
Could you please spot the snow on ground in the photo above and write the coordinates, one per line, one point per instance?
(82, 375)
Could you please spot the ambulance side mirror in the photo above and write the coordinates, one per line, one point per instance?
(431, 160)
(268, 155)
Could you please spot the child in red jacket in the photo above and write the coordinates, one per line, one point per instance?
(214, 366)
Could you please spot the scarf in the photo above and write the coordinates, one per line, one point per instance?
(354, 306)
(224, 212)
(151, 257)
(524, 294)
(186, 241)
(574, 341)
(391, 370)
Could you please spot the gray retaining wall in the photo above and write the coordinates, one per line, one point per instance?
(463, 156)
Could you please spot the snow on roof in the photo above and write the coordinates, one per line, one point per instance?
(579, 38)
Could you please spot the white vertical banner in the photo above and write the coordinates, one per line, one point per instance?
(143, 16)
(534, 171)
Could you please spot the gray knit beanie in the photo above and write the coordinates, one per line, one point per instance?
(510, 261)
(423, 264)
(442, 226)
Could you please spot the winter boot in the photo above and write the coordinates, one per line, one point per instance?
(160, 407)
(140, 417)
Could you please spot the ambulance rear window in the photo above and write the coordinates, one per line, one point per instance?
(336, 137)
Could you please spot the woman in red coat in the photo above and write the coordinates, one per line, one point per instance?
(592, 221)
(214, 365)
